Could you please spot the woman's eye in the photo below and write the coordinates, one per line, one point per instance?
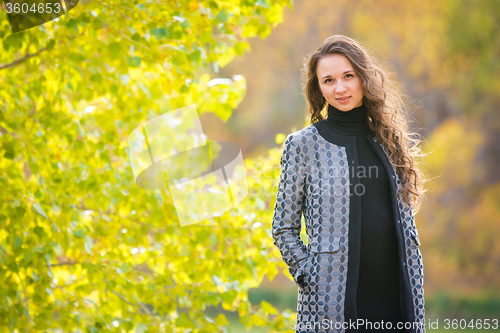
(327, 80)
(350, 75)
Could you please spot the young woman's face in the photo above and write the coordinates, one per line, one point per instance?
(337, 80)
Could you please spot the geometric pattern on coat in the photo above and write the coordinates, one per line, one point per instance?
(314, 181)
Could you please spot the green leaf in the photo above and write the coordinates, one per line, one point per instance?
(50, 45)
(72, 24)
(39, 209)
(222, 17)
(97, 78)
(13, 42)
(13, 268)
(134, 61)
(184, 251)
(88, 244)
(38, 249)
(264, 3)
(229, 297)
(76, 57)
(93, 329)
(240, 48)
(158, 32)
(127, 325)
(195, 56)
(80, 233)
(114, 48)
(124, 267)
(17, 242)
(264, 31)
(9, 150)
(28, 256)
(114, 89)
(184, 321)
(141, 328)
(38, 231)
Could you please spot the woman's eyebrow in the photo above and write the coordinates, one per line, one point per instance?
(343, 73)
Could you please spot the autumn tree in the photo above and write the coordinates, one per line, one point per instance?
(82, 247)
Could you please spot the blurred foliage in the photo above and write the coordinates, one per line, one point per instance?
(446, 55)
(82, 247)
(473, 52)
(439, 305)
(460, 216)
(445, 305)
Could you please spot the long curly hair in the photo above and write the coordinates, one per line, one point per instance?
(387, 116)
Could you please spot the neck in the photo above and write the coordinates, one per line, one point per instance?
(354, 120)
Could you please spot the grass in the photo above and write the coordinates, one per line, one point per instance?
(438, 308)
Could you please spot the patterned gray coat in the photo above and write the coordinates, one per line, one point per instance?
(316, 181)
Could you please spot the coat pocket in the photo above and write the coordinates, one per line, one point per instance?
(414, 234)
(320, 244)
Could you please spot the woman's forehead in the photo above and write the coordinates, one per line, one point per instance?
(334, 65)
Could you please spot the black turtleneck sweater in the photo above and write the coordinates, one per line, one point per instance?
(378, 283)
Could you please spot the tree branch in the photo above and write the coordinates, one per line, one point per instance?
(18, 61)
(68, 263)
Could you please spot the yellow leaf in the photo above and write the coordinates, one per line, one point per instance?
(257, 321)
(221, 320)
(193, 5)
(280, 138)
(268, 308)
(279, 323)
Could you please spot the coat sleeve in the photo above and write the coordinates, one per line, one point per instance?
(290, 201)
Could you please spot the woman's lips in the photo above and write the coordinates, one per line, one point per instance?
(344, 100)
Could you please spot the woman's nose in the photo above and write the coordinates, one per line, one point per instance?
(340, 88)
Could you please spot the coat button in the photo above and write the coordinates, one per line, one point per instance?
(404, 264)
(399, 221)
(393, 177)
(374, 139)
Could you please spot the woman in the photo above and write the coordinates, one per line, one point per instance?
(354, 178)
